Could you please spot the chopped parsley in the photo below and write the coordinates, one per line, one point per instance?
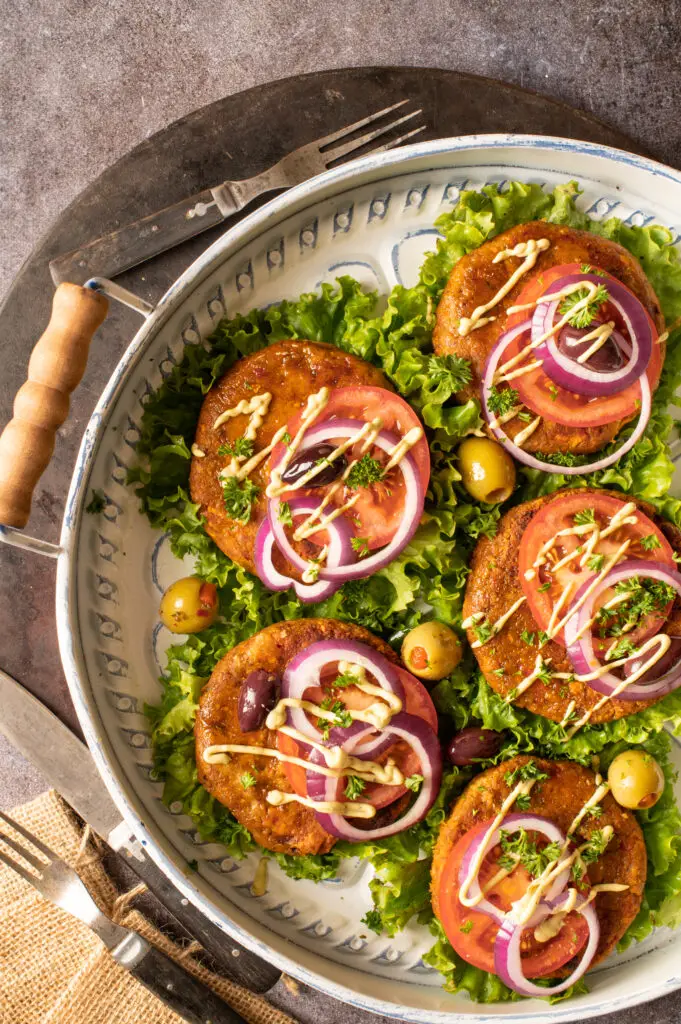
(650, 542)
(586, 517)
(596, 811)
(544, 674)
(453, 372)
(583, 317)
(360, 545)
(553, 391)
(595, 848)
(647, 597)
(484, 631)
(501, 402)
(544, 587)
(286, 438)
(355, 787)
(365, 472)
(540, 638)
(247, 780)
(523, 802)
(466, 927)
(414, 783)
(500, 672)
(284, 515)
(622, 649)
(342, 717)
(239, 499)
(241, 448)
(523, 773)
(344, 679)
(596, 562)
(96, 504)
(517, 848)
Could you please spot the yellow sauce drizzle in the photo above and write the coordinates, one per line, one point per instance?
(529, 251)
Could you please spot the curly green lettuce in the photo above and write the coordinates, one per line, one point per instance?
(429, 577)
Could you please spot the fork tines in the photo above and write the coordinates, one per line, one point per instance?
(336, 153)
(26, 854)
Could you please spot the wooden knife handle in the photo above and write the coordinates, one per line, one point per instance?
(56, 366)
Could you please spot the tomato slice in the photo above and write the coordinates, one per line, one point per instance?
(559, 514)
(473, 934)
(378, 512)
(556, 404)
(417, 702)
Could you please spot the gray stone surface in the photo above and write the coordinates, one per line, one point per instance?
(83, 81)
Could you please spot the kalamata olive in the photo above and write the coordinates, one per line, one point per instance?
(431, 651)
(659, 668)
(608, 357)
(306, 460)
(258, 694)
(636, 779)
(189, 605)
(487, 471)
(473, 744)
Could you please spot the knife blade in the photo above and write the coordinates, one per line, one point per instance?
(61, 757)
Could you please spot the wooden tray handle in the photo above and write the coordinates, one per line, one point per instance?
(56, 366)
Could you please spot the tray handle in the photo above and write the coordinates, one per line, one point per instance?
(55, 368)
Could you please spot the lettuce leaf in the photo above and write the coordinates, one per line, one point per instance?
(429, 577)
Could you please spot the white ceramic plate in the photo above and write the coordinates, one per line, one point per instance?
(374, 220)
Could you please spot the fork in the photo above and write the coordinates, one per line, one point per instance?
(58, 882)
(143, 239)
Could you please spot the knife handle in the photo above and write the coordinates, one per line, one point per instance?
(135, 243)
(41, 405)
(183, 993)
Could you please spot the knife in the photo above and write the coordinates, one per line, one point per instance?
(61, 757)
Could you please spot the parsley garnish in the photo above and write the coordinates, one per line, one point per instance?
(544, 673)
(365, 472)
(466, 927)
(360, 545)
(484, 631)
(355, 787)
(239, 499)
(451, 371)
(553, 391)
(523, 773)
(518, 848)
(284, 515)
(596, 562)
(540, 637)
(586, 517)
(500, 672)
(622, 649)
(596, 846)
(650, 542)
(414, 783)
(286, 438)
(583, 317)
(544, 587)
(344, 679)
(241, 448)
(523, 802)
(247, 780)
(648, 596)
(501, 402)
(97, 504)
(342, 717)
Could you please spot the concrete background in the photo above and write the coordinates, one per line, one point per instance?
(83, 81)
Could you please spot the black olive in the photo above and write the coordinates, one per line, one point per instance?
(258, 695)
(659, 668)
(473, 744)
(306, 460)
(608, 357)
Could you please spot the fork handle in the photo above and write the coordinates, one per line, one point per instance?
(188, 996)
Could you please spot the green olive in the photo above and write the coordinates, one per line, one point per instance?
(636, 779)
(431, 650)
(189, 605)
(487, 471)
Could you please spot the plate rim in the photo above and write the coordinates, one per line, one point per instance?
(356, 172)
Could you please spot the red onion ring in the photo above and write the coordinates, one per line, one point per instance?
(340, 553)
(529, 460)
(530, 822)
(581, 379)
(581, 651)
(423, 741)
(411, 516)
(508, 962)
(304, 672)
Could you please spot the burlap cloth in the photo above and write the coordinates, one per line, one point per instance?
(54, 970)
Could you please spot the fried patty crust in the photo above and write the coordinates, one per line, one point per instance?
(494, 585)
(559, 798)
(475, 279)
(290, 371)
(291, 828)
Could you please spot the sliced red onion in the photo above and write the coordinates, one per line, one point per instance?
(340, 553)
(529, 460)
(425, 744)
(303, 672)
(511, 823)
(582, 379)
(581, 651)
(411, 514)
(508, 961)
